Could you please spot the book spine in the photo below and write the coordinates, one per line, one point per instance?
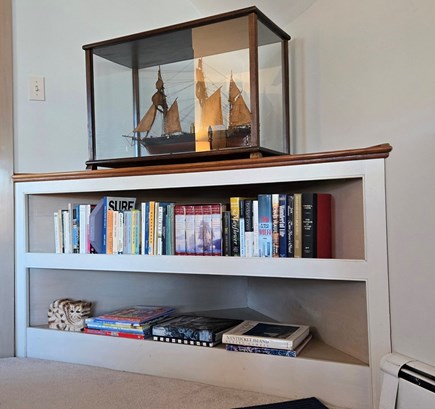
(199, 230)
(207, 247)
(113, 333)
(255, 227)
(135, 231)
(169, 230)
(216, 229)
(151, 228)
(190, 230)
(160, 217)
(290, 226)
(173, 340)
(297, 224)
(282, 225)
(109, 231)
(259, 350)
(83, 222)
(120, 232)
(265, 225)
(180, 230)
(275, 225)
(115, 232)
(324, 225)
(249, 227)
(57, 238)
(75, 225)
(309, 233)
(235, 225)
(66, 231)
(226, 233)
(143, 229)
(256, 341)
(242, 228)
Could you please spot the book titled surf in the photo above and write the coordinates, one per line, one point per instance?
(135, 315)
(194, 328)
(99, 233)
(266, 335)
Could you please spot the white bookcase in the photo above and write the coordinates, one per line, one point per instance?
(345, 299)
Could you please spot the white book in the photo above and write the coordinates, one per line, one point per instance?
(267, 334)
(66, 228)
(57, 232)
(121, 233)
(84, 211)
(255, 224)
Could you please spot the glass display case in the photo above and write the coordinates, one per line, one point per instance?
(208, 89)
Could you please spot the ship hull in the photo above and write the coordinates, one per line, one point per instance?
(238, 137)
(183, 142)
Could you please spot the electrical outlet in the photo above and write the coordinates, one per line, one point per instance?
(36, 89)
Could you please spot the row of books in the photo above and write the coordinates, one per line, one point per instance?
(161, 324)
(269, 225)
(280, 225)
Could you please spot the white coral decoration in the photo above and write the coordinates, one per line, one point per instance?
(68, 315)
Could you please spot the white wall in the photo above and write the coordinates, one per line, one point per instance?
(363, 73)
(48, 39)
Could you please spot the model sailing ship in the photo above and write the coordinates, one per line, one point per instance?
(174, 140)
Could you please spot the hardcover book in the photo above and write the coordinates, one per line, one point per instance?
(309, 225)
(185, 341)
(235, 225)
(266, 334)
(324, 222)
(216, 228)
(135, 315)
(249, 227)
(180, 230)
(194, 328)
(282, 225)
(98, 220)
(114, 333)
(275, 225)
(265, 225)
(270, 351)
(290, 225)
(297, 224)
(190, 229)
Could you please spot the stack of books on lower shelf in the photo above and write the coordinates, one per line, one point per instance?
(130, 322)
(193, 330)
(268, 338)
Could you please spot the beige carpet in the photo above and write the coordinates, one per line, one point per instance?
(39, 384)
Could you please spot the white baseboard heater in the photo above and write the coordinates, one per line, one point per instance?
(406, 383)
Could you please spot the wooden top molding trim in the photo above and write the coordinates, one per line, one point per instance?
(372, 152)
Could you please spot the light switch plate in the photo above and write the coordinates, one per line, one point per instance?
(36, 89)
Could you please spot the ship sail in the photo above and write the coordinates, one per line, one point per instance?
(211, 114)
(239, 112)
(172, 120)
(147, 121)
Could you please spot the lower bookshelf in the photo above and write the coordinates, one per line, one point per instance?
(316, 372)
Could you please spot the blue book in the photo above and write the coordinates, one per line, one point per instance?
(98, 232)
(265, 225)
(293, 353)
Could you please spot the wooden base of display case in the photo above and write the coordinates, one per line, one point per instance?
(185, 157)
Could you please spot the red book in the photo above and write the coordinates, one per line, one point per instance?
(324, 222)
(113, 333)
